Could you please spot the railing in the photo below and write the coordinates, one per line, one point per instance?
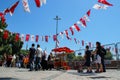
(115, 49)
(110, 64)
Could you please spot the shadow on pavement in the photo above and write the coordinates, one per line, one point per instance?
(21, 71)
(81, 74)
(100, 77)
(8, 78)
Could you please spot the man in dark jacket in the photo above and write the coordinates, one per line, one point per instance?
(31, 56)
(102, 53)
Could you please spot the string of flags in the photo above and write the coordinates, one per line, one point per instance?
(102, 4)
(27, 38)
(37, 38)
(65, 32)
(25, 4)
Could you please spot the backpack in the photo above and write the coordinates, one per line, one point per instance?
(103, 51)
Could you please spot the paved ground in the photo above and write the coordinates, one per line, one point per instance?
(24, 74)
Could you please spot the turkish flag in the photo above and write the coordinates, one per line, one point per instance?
(76, 27)
(75, 40)
(6, 11)
(82, 42)
(66, 32)
(27, 37)
(37, 38)
(12, 8)
(105, 2)
(55, 37)
(37, 3)
(88, 13)
(83, 22)
(71, 29)
(46, 38)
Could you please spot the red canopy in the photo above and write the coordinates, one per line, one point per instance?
(63, 49)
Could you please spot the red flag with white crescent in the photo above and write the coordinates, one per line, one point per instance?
(12, 8)
(38, 3)
(46, 38)
(105, 2)
(71, 29)
(82, 42)
(75, 40)
(88, 13)
(76, 27)
(37, 38)
(27, 37)
(83, 22)
(54, 37)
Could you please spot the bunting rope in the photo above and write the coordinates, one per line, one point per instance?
(102, 4)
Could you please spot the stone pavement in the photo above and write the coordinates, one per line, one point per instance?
(24, 74)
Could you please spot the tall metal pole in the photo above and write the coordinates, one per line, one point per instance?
(57, 19)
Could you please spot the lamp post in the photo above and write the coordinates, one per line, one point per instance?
(57, 19)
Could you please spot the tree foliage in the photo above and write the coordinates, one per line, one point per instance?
(108, 55)
(78, 58)
(24, 52)
(9, 45)
(73, 57)
(70, 57)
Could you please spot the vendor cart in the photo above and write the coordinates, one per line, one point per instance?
(60, 61)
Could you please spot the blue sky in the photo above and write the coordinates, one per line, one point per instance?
(103, 26)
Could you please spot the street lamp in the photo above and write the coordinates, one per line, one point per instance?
(57, 19)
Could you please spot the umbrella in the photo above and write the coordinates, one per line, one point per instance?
(63, 49)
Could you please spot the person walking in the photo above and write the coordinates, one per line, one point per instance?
(44, 61)
(50, 61)
(38, 57)
(31, 57)
(20, 62)
(87, 57)
(13, 60)
(102, 52)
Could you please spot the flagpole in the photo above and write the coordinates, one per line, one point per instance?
(57, 19)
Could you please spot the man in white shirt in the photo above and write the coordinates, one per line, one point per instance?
(39, 53)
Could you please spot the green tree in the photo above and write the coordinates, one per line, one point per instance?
(108, 55)
(24, 52)
(73, 57)
(78, 58)
(70, 57)
(9, 46)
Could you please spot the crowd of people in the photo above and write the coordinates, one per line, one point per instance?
(15, 60)
(36, 59)
(97, 57)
